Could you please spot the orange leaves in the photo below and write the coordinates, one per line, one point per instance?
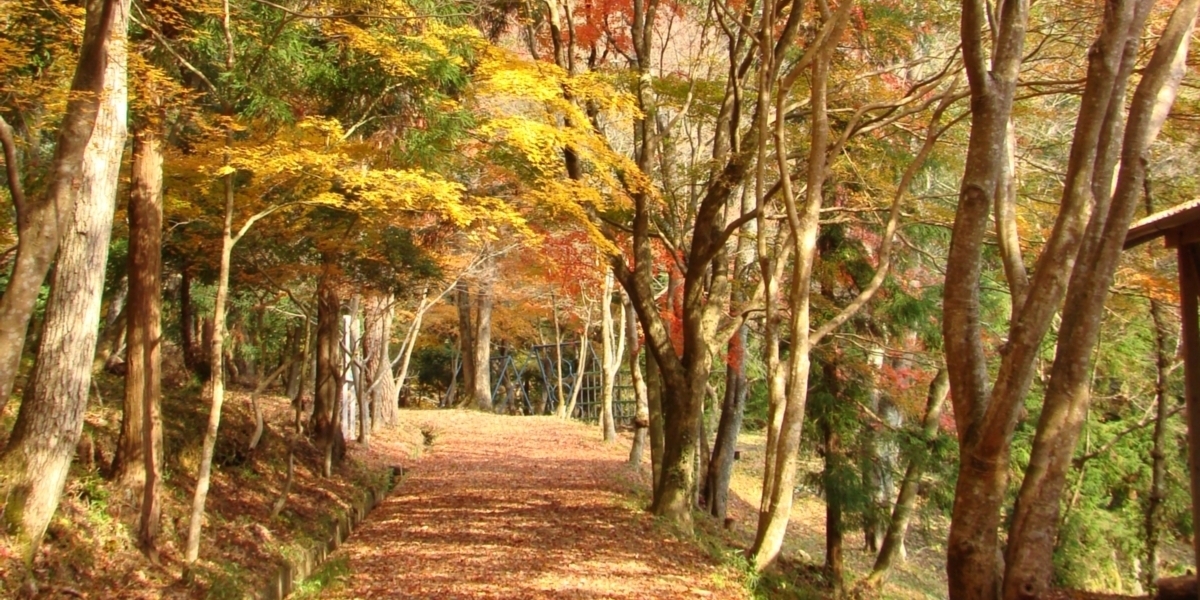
(573, 264)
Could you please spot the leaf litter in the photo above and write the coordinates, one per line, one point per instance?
(521, 507)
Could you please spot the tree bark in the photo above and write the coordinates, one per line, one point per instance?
(296, 348)
(145, 314)
(641, 421)
(410, 342)
(113, 335)
(654, 401)
(143, 356)
(324, 425)
(779, 480)
(377, 372)
(581, 359)
(34, 465)
(875, 465)
(43, 219)
(973, 548)
(216, 365)
(193, 351)
(1033, 532)
(466, 341)
(611, 361)
(720, 468)
(481, 340)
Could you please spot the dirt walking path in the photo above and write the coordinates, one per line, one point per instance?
(520, 507)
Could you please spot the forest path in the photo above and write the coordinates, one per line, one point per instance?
(520, 507)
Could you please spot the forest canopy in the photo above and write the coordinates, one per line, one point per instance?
(888, 235)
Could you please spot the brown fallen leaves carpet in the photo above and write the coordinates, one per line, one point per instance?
(520, 507)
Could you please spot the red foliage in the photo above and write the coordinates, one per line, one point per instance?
(573, 263)
(736, 354)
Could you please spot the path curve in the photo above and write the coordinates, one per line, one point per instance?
(520, 507)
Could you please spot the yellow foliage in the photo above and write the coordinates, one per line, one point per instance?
(534, 111)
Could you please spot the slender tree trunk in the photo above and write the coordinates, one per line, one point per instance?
(466, 341)
(481, 388)
(611, 361)
(410, 342)
(113, 336)
(34, 465)
(560, 408)
(906, 501)
(306, 364)
(641, 421)
(779, 480)
(1158, 454)
(581, 360)
(189, 321)
(351, 375)
(216, 364)
(42, 219)
(834, 497)
(654, 400)
(875, 464)
(295, 348)
(720, 468)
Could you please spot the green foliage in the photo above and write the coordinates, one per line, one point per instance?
(433, 365)
(329, 574)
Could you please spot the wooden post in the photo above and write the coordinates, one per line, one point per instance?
(1189, 289)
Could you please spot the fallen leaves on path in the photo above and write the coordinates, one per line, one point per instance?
(521, 507)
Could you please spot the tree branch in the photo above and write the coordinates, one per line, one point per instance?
(12, 169)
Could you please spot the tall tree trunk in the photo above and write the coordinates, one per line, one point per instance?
(654, 400)
(581, 359)
(560, 395)
(295, 373)
(360, 408)
(410, 342)
(906, 501)
(33, 467)
(1033, 531)
(834, 497)
(324, 425)
(481, 388)
(144, 317)
(641, 422)
(377, 372)
(720, 468)
(782, 455)
(216, 362)
(189, 324)
(1158, 454)
(42, 219)
(306, 366)
(466, 341)
(145, 313)
(875, 465)
(611, 361)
